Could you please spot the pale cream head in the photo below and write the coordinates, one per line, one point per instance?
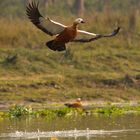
(78, 100)
(79, 21)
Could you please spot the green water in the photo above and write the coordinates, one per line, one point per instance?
(125, 127)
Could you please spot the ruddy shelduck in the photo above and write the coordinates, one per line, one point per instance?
(63, 34)
(76, 104)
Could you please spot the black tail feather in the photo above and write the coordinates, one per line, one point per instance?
(68, 105)
(56, 46)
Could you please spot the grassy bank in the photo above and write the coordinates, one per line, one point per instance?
(107, 69)
(41, 76)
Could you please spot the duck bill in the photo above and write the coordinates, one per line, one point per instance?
(83, 22)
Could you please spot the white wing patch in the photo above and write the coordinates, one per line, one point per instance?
(51, 26)
(83, 36)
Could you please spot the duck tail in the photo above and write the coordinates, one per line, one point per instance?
(68, 105)
(56, 46)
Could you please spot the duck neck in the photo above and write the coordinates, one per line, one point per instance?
(75, 25)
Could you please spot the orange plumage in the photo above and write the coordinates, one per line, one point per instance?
(63, 34)
(76, 104)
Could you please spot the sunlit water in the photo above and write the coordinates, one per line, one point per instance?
(77, 128)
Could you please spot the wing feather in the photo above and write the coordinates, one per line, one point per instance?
(83, 36)
(45, 24)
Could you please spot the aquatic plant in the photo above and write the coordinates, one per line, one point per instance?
(49, 113)
(109, 110)
(18, 111)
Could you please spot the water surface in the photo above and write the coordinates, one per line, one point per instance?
(125, 127)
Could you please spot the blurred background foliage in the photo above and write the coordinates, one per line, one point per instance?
(55, 7)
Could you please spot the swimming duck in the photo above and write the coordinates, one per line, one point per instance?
(63, 34)
(76, 104)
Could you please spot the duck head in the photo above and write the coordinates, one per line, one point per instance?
(78, 21)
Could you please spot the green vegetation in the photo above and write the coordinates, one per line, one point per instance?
(107, 69)
(22, 111)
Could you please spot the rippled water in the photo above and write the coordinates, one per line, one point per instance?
(79, 128)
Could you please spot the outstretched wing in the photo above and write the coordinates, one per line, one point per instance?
(83, 36)
(45, 24)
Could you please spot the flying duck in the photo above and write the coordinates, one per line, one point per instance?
(63, 34)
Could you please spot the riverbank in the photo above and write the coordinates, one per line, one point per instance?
(60, 110)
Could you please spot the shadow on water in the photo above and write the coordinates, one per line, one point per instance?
(125, 127)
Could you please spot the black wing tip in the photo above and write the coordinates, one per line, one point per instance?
(32, 6)
(117, 29)
(34, 15)
(32, 11)
(35, 4)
